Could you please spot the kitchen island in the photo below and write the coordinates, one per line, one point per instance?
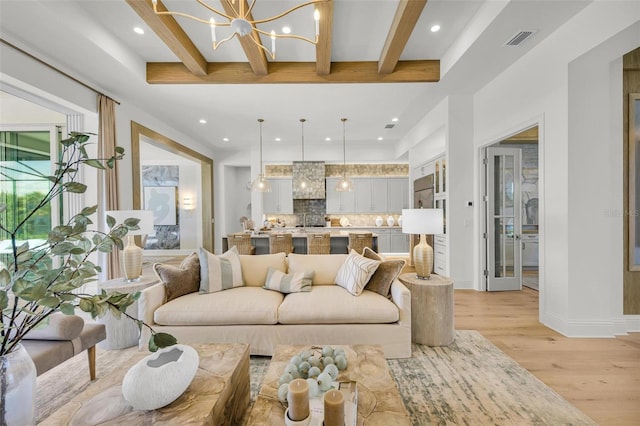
(339, 241)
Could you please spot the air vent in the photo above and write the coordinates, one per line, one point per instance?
(389, 126)
(519, 38)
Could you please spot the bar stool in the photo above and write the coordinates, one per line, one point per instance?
(359, 240)
(242, 243)
(319, 243)
(280, 243)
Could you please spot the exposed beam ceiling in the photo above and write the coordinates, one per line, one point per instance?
(294, 72)
(256, 56)
(404, 22)
(323, 48)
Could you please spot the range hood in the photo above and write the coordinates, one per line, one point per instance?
(313, 171)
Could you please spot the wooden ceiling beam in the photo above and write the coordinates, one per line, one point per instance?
(404, 22)
(323, 48)
(256, 56)
(172, 35)
(294, 72)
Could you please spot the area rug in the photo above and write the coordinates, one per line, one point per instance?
(470, 382)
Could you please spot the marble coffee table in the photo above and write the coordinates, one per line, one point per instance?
(218, 395)
(379, 401)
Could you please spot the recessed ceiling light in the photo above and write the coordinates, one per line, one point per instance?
(278, 139)
(327, 139)
(435, 28)
(203, 121)
(286, 30)
(380, 138)
(394, 119)
(225, 139)
(138, 30)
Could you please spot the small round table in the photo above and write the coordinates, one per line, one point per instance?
(123, 333)
(431, 309)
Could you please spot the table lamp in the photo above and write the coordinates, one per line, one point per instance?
(132, 254)
(422, 222)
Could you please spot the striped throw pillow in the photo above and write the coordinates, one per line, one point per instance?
(294, 282)
(355, 272)
(219, 273)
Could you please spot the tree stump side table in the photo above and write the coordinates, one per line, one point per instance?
(123, 333)
(431, 309)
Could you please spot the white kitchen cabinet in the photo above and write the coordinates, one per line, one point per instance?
(339, 202)
(399, 241)
(397, 194)
(371, 195)
(440, 255)
(280, 199)
(384, 241)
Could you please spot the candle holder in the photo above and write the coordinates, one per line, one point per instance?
(289, 422)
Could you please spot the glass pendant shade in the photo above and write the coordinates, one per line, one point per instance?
(260, 184)
(345, 184)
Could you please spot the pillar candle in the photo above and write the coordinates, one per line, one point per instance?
(333, 408)
(298, 397)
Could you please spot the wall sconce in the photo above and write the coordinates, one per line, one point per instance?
(188, 203)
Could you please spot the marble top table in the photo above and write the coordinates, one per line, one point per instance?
(218, 395)
(379, 401)
(339, 241)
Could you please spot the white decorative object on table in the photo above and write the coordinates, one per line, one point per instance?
(160, 378)
(379, 221)
(390, 220)
(400, 220)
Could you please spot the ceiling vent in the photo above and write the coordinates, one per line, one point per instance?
(389, 126)
(519, 38)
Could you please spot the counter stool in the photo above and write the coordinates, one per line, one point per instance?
(242, 243)
(359, 240)
(280, 243)
(319, 243)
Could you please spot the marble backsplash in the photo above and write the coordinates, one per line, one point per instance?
(355, 220)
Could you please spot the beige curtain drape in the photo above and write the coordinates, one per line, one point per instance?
(106, 148)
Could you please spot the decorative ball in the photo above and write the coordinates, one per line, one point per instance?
(296, 360)
(314, 371)
(327, 351)
(285, 378)
(314, 390)
(315, 361)
(283, 390)
(327, 360)
(160, 378)
(341, 362)
(332, 369)
(292, 369)
(303, 369)
(324, 381)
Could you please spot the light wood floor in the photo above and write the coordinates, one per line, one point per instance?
(599, 376)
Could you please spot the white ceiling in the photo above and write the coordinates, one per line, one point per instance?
(94, 41)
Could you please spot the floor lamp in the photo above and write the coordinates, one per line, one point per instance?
(423, 222)
(132, 254)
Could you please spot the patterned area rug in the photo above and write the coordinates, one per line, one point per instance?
(468, 382)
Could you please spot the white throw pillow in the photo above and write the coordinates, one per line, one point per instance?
(219, 273)
(288, 283)
(355, 272)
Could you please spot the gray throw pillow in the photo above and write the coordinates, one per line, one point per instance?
(181, 280)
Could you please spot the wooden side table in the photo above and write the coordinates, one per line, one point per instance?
(123, 333)
(431, 309)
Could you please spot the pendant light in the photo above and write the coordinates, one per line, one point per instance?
(260, 184)
(344, 185)
(303, 183)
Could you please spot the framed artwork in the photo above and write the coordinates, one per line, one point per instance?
(162, 201)
(634, 182)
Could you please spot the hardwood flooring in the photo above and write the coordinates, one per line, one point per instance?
(599, 376)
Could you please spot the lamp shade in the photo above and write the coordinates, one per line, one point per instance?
(422, 221)
(145, 216)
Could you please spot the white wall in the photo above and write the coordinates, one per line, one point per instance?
(565, 84)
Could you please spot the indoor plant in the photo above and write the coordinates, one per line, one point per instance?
(38, 281)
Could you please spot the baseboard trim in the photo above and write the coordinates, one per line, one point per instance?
(605, 328)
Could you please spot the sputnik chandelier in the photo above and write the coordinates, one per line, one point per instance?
(241, 25)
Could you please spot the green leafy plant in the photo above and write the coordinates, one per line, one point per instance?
(38, 281)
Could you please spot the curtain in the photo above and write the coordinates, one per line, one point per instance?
(107, 148)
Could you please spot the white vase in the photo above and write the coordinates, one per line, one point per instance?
(160, 378)
(390, 220)
(400, 220)
(379, 221)
(18, 383)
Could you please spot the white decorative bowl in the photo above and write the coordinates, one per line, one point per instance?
(160, 378)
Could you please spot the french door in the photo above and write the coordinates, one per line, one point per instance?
(503, 219)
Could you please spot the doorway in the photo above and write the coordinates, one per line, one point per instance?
(510, 213)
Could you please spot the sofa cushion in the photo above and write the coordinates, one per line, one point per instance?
(241, 305)
(334, 305)
(355, 272)
(254, 267)
(181, 280)
(387, 272)
(288, 283)
(219, 273)
(325, 266)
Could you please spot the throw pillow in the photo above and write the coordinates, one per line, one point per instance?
(181, 280)
(386, 273)
(294, 282)
(355, 272)
(219, 273)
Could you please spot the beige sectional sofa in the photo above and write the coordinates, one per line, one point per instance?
(328, 314)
